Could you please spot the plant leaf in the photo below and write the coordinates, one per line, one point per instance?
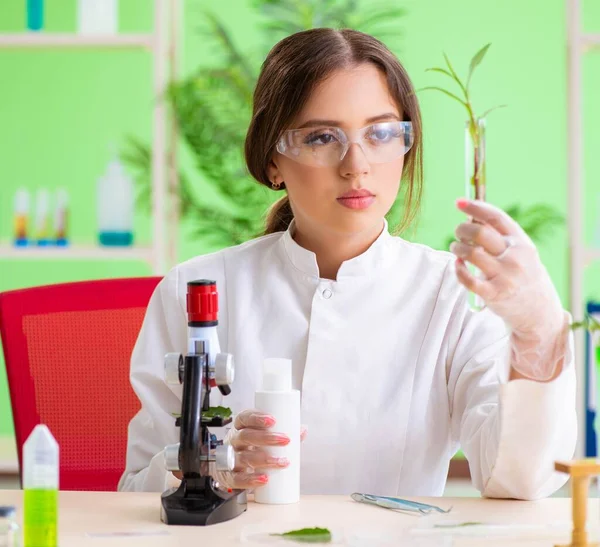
(475, 61)
(492, 109)
(308, 535)
(455, 76)
(217, 412)
(452, 95)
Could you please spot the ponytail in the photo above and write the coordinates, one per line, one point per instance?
(279, 217)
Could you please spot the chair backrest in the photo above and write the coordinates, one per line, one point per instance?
(67, 349)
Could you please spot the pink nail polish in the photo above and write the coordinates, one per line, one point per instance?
(263, 479)
(267, 421)
(282, 439)
(462, 202)
(283, 462)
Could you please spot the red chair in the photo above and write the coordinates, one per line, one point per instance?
(67, 349)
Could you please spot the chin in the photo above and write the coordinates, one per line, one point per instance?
(355, 222)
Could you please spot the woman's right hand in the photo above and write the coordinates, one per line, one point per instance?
(251, 432)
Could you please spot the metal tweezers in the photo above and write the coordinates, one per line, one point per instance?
(398, 504)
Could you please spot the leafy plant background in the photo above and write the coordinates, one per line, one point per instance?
(213, 106)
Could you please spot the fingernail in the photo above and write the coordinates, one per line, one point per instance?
(462, 202)
(281, 439)
(267, 421)
(263, 479)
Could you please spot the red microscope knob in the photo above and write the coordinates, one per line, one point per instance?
(202, 303)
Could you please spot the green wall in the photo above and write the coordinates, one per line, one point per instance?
(59, 111)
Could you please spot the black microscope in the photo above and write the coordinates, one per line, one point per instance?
(199, 499)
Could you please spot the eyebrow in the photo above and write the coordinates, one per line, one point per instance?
(334, 123)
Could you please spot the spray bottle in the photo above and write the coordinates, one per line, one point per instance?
(278, 399)
(40, 485)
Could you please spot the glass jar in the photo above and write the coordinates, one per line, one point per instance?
(10, 532)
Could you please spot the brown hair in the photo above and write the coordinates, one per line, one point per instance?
(291, 71)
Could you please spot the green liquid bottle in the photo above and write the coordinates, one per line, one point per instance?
(40, 485)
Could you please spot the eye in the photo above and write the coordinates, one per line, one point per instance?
(382, 134)
(320, 138)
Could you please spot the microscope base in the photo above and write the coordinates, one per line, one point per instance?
(179, 508)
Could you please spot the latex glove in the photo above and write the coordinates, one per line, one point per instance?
(515, 285)
(251, 431)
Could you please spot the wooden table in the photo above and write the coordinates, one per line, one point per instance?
(85, 516)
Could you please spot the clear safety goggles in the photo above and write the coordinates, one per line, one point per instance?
(326, 146)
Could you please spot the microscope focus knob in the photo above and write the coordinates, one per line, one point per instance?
(173, 368)
(225, 457)
(224, 369)
(172, 457)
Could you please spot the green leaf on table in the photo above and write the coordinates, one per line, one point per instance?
(308, 535)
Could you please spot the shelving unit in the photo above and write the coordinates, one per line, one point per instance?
(578, 43)
(163, 45)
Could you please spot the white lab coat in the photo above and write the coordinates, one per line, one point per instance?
(396, 373)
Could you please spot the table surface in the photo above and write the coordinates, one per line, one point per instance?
(117, 519)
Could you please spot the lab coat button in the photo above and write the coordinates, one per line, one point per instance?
(327, 294)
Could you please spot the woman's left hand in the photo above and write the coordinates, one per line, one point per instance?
(514, 283)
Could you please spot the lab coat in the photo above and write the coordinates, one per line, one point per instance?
(395, 371)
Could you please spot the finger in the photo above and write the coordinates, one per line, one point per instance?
(254, 419)
(489, 214)
(244, 480)
(258, 459)
(257, 437)
(303, 431)
(477, 256)
(472, 283)
(482, 235)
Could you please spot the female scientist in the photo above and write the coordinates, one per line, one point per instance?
(396, 371)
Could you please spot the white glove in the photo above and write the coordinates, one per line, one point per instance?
(515, 285)
(250, 432)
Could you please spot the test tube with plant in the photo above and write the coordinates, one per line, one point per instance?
(475, 128)
(475, 125)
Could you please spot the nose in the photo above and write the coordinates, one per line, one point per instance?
(354, 163)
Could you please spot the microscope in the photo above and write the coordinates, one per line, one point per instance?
(200, 500)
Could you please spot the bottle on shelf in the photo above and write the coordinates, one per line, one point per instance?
(61, 216)
(42, 218)
(97, 16)
(35, 14)
(21, 217)
(115, 206)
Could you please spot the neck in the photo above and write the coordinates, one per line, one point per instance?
(334, 248)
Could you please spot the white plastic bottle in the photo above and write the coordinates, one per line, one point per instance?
(278, 399)
(116, 202)
(40, 485)
(97, 16)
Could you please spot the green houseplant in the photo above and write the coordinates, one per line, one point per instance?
(213, 106)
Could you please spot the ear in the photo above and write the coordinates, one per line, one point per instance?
(273, 172)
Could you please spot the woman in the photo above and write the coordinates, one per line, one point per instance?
(396, 371)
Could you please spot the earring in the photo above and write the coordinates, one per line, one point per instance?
(276, 185)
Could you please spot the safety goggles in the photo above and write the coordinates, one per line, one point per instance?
(326, 146)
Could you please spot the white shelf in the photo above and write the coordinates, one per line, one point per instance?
(51, 40)
(75, 252)
(591, 41)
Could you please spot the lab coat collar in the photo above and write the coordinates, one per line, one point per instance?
(362, 265)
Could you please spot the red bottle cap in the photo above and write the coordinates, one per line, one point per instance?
(202, 303)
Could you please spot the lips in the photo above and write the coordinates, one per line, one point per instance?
(362, 193)
(357, 199)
